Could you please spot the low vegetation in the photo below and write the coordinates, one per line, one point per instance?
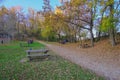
(52, 68)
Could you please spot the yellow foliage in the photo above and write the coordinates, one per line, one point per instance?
(77, 2)
(58, 11)
(3, 11)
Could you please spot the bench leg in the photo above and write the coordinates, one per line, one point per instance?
(30, 59)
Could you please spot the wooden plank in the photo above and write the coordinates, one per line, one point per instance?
(38, 55)
(37, 51)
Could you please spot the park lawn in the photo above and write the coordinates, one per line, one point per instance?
(55, 68)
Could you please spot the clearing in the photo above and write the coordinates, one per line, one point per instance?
(15, 66)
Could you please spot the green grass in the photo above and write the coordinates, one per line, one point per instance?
(54, 68)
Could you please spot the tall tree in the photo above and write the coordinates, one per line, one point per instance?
(3, 13)
(110, 20)
(83, 14)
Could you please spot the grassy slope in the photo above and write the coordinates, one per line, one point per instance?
(55, 68)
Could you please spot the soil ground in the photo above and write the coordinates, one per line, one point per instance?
(102, 59)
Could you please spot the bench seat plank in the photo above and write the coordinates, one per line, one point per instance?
(37, 51)
(39, 55)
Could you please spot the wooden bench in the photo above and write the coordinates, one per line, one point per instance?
(41, 53)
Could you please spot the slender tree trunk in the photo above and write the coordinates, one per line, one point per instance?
(91, 27)
(75, 37)
(92, 38)
(18, 36)
(98, 36)
(112, 31)
(59, 37)
(112, 37)
(25, 30)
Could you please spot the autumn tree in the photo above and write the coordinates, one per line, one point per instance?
(110, 21)
(82, 13)
(3, 13)
(11, 20)
(8, 21)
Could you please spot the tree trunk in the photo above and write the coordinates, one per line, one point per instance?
(112, 31)
(91, 27)
(59, 37)
(92, 38)
(75, 37)
(18, 36)
(98, 36)
(112, 37)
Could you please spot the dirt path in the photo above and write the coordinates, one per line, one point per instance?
(102, 66)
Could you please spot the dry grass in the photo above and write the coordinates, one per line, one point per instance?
(101, 51)
(102, 59)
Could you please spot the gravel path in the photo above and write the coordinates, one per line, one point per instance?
(104, 67)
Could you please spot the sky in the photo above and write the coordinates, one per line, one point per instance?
(25, 4)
